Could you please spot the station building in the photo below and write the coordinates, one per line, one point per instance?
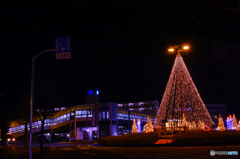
(216, 109)
(91, 120)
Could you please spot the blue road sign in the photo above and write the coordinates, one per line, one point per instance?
(63, 47)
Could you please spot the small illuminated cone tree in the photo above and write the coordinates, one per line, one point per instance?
(184, 122)
(181, 97)
(229, 122)
(238, 125)
(134, 127)
(201, 124)
(194, 125)
(139, 125)
(221, 126)
(234, 122)
(148, 127)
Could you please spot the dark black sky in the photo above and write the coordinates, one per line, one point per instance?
(117, 46)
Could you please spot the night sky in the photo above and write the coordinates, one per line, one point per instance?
(119, 47)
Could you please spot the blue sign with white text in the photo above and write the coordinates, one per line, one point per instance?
(63, 47)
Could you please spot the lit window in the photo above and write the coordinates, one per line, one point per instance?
(107, 114)
(100, 116)
(103, 114)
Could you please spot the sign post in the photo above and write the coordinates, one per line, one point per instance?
(0, 139)
(63, 51)
(63, 47)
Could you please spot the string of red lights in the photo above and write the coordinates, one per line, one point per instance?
(182, 97)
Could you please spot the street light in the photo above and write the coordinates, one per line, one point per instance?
(31, 101)
(178, 49)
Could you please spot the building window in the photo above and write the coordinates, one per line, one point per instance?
(103, 114)
(100, 116)
(107, 114)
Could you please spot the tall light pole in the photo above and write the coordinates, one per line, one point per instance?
(31, 101)
(177, 50)
(63, 51)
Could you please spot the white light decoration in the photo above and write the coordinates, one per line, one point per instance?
(148, 127)
(139, 125)
(181, 97)
(229, 122)
(134, 127)
(221, 126)
(234, 124)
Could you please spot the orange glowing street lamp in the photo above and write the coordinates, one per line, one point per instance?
(178, 49)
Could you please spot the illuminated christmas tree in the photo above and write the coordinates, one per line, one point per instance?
(181, 97)
(229, 122)
(139, 125)
(134, 127)
(238, 125)
(201, 124)
(194, 124)
(148, 127)
(234, 122)
(221, 126)
(184, 122)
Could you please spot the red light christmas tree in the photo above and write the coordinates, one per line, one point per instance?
(181, 97)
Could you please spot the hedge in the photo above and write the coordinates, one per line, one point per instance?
(198, 137)
(134, 139)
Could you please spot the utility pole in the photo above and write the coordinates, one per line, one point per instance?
(61, 53)
(31, 101)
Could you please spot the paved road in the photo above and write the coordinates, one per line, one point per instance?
(101, 152)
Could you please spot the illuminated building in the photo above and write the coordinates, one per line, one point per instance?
(81, 122)
(216, 109)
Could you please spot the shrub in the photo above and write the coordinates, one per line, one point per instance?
(134, 139)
